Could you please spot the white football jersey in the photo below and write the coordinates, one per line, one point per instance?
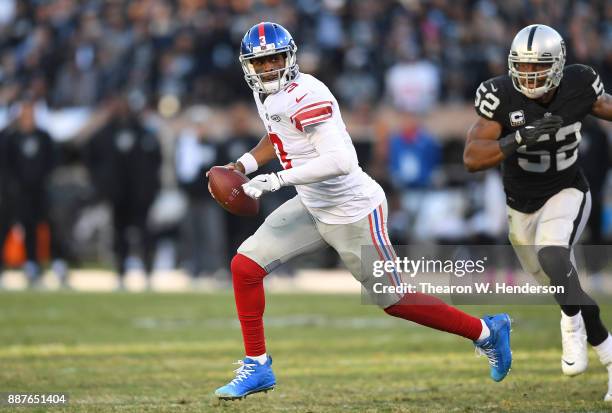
(303, 102)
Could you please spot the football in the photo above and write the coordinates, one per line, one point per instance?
(225, 185)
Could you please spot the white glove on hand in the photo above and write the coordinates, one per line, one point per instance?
(261, 184)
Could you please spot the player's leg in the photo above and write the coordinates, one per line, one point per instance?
(491, 333)
(30, 218)
(596, 331)
(146, 238)
(522, 234)
(120, 240)
(286, 233)
(562, 221)
(5, 227)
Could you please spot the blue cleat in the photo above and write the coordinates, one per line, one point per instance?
(251, 377)
(497, 346)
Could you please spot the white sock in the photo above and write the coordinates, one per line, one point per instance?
(485, 331)
(604, 351)
(260, 359)
(571, 322)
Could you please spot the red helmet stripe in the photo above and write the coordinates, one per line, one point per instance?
(262, 32)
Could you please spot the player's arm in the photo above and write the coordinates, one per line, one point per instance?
(602, 108)
(482, 148)
(260, 155)
(334, 160)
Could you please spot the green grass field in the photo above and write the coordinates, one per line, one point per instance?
(168, 352)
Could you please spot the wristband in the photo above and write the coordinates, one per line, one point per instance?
(249, 162)
(509, 144)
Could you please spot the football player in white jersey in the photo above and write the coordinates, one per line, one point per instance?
(337, 204)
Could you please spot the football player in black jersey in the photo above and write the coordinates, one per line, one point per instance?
(529, 122)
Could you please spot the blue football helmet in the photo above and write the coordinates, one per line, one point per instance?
(265, 39)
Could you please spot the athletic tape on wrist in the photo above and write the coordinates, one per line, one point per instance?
(249, 162)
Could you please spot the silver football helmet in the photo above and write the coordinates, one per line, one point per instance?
(540, 44)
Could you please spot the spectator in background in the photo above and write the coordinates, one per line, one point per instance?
(410, 155)
(203, 231)
(6, 210)
(176, 66)
(186, 47)
(124, 162)
(240, 140)
(30, 158)
(356, 85)
(413, 82)
(413, 86)
(595, 161)
(413, 154)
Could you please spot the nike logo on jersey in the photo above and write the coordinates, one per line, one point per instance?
(300, 99)
(568, 363)
(493, 88)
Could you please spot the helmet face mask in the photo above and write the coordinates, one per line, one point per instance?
(266, 39)
(541, 46)
(271, 81)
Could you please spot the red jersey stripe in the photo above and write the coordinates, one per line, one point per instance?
(312, 116)
(315, 120)
(328, 103)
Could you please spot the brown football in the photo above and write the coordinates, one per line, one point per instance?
(226, 187)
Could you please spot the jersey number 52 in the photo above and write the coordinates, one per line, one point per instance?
(540, 161)
(486, 102)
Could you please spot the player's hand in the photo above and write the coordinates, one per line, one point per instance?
(233, 166)
(261, 184)
(548, 125)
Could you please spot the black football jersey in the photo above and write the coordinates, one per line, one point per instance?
(531, 176)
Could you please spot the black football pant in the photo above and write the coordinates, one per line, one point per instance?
(557, 264)
(129, 219)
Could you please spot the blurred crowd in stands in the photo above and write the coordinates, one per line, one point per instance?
(111, 112)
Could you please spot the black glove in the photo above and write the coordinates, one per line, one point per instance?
(528, 135)
(548, 125)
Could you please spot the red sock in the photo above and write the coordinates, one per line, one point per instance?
(247, 277)
(435, 313)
